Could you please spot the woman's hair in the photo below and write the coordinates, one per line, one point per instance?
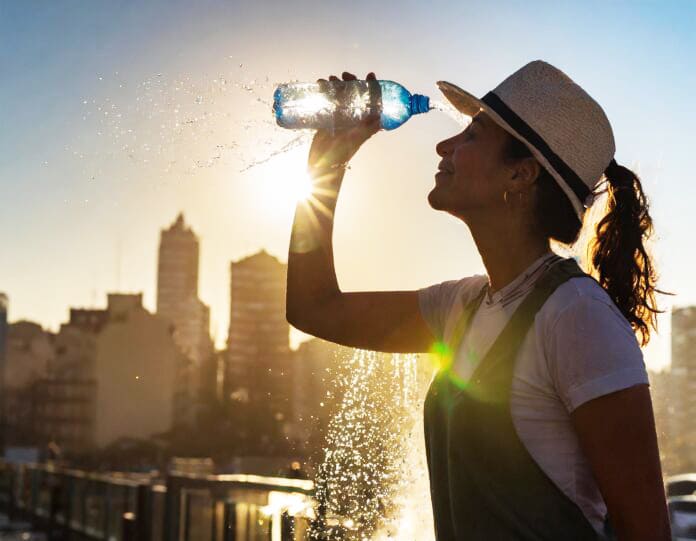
(619, 257)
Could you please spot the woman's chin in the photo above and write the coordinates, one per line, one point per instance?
(436, 199)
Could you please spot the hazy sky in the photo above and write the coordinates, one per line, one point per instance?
(118, 115)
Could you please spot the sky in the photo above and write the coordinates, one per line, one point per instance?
(119, 115)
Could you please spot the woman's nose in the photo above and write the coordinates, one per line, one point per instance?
(443, 146)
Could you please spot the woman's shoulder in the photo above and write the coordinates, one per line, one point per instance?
(589, 347)
(438, 301)
(458, 291)
(579, 297)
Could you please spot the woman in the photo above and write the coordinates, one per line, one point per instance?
(539, 424)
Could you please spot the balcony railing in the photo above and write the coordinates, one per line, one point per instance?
(135, 507)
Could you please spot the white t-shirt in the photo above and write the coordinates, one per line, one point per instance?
(580, 347)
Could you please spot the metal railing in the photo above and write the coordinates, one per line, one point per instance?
(135, 507)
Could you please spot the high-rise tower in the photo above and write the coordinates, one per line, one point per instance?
(177, 291)
(258, 382)
(3, 349)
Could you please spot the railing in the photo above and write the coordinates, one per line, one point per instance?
(189, 507)
(133, 507)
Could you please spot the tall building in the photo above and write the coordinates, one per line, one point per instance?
(29, 350)
(3, 347)
(258, 379)
(683, 387)
(3, 332)
(177, 291)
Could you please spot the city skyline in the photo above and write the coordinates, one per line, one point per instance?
(168, 110)
(296, 337)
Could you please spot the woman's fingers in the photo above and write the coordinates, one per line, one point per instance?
(347, 76)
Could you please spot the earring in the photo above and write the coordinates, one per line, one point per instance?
(505, 197)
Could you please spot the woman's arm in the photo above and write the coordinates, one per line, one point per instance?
(381, 321)
(617, 433)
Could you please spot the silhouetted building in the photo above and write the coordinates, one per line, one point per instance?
(138, 369)
(177, 291)
(258, 380)
(660, 389)
(116, 373)
(67, 414)
(683, 387)
(3, 345)
(29, 351)
(3, 334)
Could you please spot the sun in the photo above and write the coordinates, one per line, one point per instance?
(283, 182)
(300, 186)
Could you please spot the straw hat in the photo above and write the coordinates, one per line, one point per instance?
(564, 128)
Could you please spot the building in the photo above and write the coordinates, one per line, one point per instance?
(3, 345)
(3, 334)
(177, 291)
(660, 389)
(682, 424)
(258, 380)
(138, 368)
(69, 387)
(111, 373)
(29, 350)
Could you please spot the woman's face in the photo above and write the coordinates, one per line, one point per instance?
(471, 173)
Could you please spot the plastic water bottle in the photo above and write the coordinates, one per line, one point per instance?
(336, 105)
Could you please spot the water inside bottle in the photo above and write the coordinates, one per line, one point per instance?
(345, 101)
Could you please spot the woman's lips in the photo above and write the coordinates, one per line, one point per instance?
(441, 175)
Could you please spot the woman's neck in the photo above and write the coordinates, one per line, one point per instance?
(506, 251)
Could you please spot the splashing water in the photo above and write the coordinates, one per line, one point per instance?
(372, 484)
(300, 140)
(449, 110)
(168, 126)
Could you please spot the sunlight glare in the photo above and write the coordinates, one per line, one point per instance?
(302, 186)
(283, 182)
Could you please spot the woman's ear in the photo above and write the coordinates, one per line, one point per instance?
(525, 173)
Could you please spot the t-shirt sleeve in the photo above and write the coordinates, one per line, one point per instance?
(435, 303)
(592, 351)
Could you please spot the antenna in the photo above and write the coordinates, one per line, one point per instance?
(118, 264)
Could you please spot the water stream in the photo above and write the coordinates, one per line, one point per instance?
(372, 484)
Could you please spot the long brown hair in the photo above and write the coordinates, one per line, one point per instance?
(621, 263)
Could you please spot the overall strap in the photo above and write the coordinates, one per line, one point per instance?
(462, 325)
(514, 333)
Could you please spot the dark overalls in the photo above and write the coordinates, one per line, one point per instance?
(484, 483)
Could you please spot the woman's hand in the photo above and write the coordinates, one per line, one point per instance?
(332, 150)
